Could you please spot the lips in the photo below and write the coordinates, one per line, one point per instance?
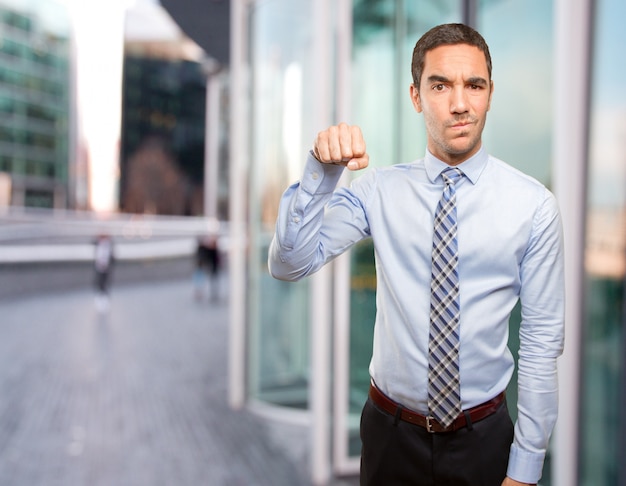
(462, 124)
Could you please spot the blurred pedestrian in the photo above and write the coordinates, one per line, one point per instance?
(207, 267)
(103, 266)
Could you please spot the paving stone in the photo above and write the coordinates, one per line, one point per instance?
(136, 396)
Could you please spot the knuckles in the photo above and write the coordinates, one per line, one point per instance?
(340, 144)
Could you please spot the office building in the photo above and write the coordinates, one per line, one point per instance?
(162, 160)
(558, 114)
(35, 90)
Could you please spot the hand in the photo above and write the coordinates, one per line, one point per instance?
(511, 482)
(341, 145)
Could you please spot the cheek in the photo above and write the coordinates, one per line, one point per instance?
(433, 119)
(482, 105)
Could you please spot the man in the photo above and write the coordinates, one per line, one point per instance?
(436, 413)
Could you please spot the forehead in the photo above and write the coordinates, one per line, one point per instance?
(455, 59)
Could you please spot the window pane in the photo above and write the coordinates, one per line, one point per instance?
(519, 124)
(602, 407)
(280, 48)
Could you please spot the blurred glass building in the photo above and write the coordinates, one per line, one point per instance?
(105, 108)
(163, 132)
(35, 91)
(172, 145)
(558, 114)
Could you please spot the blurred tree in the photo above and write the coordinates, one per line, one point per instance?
(155, 184)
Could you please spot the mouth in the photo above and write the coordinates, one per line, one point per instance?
(461, 125)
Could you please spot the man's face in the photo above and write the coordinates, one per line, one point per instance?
(454, 95)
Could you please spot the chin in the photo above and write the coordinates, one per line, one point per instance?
(465, 147)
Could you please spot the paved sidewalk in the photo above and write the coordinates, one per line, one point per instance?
(131, 398)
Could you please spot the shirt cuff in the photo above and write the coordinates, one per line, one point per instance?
(320, 178)
(525, 467)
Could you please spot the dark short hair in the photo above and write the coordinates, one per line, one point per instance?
(446, 35)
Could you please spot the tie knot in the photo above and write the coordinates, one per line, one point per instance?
(451, 175)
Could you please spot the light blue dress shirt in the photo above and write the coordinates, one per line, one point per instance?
(510, 248)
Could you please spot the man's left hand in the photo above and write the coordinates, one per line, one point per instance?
(511, 482)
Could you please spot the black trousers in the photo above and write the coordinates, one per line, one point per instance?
(102, 281)
(395, 452)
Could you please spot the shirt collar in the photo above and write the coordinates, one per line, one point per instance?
(472, 167)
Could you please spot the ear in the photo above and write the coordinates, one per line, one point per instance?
(415, 98)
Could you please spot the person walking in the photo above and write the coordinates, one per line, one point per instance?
(103, 266)
(207, 267)
(459, 237)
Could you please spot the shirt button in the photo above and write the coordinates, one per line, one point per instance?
(296, 219)
(315, 176)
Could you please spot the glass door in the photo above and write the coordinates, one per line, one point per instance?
(280, 44)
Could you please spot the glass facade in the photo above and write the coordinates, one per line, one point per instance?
(603, 402)
(519, 126)
(163, 131)
(520, 130)
(34, 101)
(280, 48)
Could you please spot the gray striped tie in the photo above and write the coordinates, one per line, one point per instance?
(444, 394)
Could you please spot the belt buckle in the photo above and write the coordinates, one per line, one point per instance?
(429, 424)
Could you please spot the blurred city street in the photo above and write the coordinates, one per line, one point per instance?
(134, 396)
(168, 131)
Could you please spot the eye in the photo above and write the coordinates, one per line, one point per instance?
(439, 87)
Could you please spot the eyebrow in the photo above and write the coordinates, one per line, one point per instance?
(478, 80)
(436, 78)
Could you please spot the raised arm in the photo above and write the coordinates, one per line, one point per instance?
(315, 224)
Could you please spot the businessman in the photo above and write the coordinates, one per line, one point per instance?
(460, 237)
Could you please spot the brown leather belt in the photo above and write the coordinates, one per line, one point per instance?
(476, 413)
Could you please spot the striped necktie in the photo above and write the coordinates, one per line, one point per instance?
(444, 394)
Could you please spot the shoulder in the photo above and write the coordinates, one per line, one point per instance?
(509, 178)
(508, 173)
(521, 187)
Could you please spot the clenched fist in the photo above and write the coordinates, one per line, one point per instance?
(342, 145)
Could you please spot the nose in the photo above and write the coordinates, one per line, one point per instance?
(458, 100)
